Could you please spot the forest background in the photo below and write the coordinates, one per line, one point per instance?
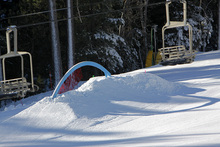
(114, 33)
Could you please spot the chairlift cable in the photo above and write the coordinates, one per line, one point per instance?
(42, 12)
(82, 16)
(61, 9)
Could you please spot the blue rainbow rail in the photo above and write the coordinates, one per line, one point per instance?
(75, 67)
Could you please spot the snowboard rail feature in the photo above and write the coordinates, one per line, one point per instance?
(75, 67)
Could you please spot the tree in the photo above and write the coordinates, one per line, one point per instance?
(144, 26)
(100, 41)
(55, 42)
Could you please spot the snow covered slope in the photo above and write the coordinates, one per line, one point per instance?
(158, 106)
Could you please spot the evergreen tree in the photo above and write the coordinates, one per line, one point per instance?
(101, 42)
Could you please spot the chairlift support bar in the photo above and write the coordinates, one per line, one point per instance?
(9, 30)
(184, 11)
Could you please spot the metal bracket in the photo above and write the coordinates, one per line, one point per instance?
(8, 31)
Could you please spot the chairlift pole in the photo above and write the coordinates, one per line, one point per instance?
(70, 32)
(155, 37)
(55, 42)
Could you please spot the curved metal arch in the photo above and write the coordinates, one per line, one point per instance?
(75, 67)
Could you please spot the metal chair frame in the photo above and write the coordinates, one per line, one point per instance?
(189, 54)
(19, 86)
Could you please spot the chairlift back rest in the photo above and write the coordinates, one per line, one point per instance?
(175, 52)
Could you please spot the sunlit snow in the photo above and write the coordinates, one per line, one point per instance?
(157, 106)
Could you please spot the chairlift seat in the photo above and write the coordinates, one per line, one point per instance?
(15, 87)
(177, 54)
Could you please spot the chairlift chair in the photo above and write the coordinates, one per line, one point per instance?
(176, 54)
(15, 87)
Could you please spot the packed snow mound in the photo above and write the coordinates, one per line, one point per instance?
(44, 112)
(101, 96)
(130, 93)
(141, 83)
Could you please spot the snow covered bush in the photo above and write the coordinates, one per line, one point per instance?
(112, 51)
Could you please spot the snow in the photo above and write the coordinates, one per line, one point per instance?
(157, 106)
(117, 20)
(111, 37)
(111, 52)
